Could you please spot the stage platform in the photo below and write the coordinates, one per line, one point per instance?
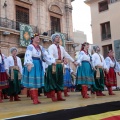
(25, 106)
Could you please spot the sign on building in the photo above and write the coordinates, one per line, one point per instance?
(25, 34)
(117, 49)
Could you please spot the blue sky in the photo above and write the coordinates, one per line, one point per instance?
(82, 18)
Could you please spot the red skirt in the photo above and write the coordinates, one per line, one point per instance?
(3, 80)
(111, 78)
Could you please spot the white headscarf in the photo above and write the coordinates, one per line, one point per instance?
(95, 48)
(13, 48)
(54, 36)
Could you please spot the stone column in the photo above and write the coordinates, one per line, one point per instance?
(68, 9)
(38, 16)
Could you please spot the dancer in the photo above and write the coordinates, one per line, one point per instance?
(14, 66)
(85, 76)
(55, 71)
(33, 74)
(114, 67)
(99, 66)
(67, 76)
(3, 74)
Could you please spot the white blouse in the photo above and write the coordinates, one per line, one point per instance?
(98, 60)
(45, 65)
(83, 57)
(111, 63)
(4, 59)
(10, 63)
(32, 52)
(67, 66)
(54, 52)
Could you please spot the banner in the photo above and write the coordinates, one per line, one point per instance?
(25, 34)
(117, 49)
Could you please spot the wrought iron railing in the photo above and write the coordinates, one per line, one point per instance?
(7, 23)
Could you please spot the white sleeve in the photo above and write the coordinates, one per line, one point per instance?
(28, 56)
(47, 57)
(104, 64)
(51, 51)
(107, 61)
(20, 65)
(66, 55)
(117, 67)
(93, 60)
(80, 57)
(71, 70)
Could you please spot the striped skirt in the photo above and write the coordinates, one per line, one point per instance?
(34, 78)
(111, 78)
(85, 74)
(67, 78)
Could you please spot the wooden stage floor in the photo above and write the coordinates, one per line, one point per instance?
(25, 107)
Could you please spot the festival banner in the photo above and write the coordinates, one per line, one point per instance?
(117, 49)
(25, 34)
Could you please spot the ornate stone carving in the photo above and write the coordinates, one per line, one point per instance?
(26, 1)
(55, 9)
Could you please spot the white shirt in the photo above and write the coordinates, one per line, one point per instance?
(32, 52)
(54, 52)
(111, 63)
(83, 57)
(44, 66)
(10, 63)
(98, 60)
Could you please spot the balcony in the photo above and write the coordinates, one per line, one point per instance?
(6, 23)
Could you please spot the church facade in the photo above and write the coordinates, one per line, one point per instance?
(43, 16)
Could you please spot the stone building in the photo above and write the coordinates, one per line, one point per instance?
(105, 24)
(41, 15)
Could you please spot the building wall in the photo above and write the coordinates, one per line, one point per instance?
(79, 37)
(39, 15)
(101, 17)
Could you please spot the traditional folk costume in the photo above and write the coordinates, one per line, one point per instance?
(15, 71)
(113, 67)
(54, 79)
(100, 65)
(67, 78)
(3, 75)
(35, 78)
(85, 76)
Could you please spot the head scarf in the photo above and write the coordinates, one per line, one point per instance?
(13, 48)
(95, 48)
(54, 36)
